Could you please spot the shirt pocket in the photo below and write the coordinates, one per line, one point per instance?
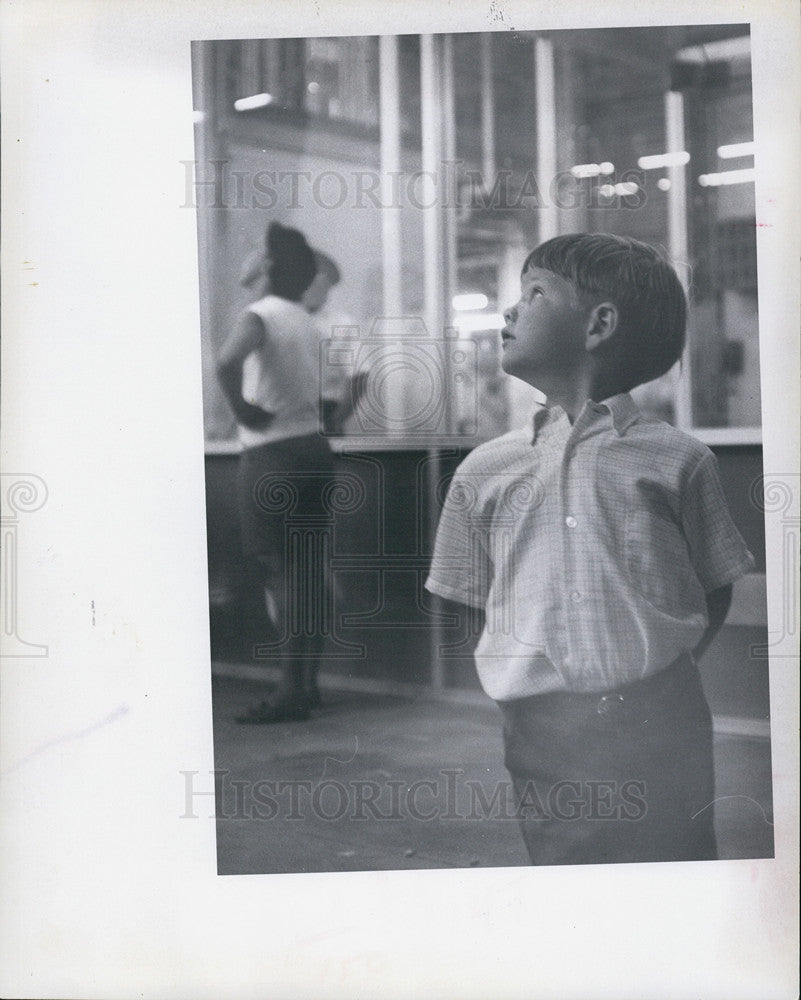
(657, 556)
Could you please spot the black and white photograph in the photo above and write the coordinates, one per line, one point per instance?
(439, 639)
(400, 499)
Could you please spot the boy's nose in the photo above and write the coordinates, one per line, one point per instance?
(510, 314)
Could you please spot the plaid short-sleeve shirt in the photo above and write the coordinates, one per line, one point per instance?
(590, 546)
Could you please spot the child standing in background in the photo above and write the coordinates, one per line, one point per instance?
(269, 369)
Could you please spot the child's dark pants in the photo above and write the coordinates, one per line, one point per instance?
(620, 776)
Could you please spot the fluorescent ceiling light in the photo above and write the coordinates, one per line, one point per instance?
(472, 322)
(586, 169)
(663, 160)
(622, 189)
(736, 149)
(727, 177)
(470, 301)
(725, 48)
(251, 103)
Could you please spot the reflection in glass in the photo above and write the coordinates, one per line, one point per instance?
(302, 146)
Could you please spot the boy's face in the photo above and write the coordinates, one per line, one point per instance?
(545, 330)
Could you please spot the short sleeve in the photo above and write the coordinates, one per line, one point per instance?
(461, 569)
(717, 551)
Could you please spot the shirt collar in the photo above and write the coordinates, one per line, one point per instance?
(621, 408)
(545, 416)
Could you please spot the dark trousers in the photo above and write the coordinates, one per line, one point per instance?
(619, 776)
(278, 483)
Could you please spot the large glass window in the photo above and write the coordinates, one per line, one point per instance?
(495, 141)
(724, 347)
(322, 78)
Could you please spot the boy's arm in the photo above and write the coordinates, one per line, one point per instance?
(717, 551)
(248, 337)
(461, 570)
(717, 606)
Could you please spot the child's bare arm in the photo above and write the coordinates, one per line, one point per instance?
(248, 336)
(717, 607)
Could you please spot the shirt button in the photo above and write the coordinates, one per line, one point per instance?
(571, 522)
(575, 597)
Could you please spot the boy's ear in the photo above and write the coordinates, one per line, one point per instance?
(602, 323)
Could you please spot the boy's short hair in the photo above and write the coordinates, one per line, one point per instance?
(646, 290)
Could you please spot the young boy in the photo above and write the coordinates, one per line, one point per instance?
(598, 544)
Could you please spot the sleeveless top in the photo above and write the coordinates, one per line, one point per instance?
(283, 375)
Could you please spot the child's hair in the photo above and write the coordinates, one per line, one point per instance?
(291, 262)
(651, 303)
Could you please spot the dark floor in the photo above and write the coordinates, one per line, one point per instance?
(381, 782)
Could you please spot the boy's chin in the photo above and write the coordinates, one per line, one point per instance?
(509, 365)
